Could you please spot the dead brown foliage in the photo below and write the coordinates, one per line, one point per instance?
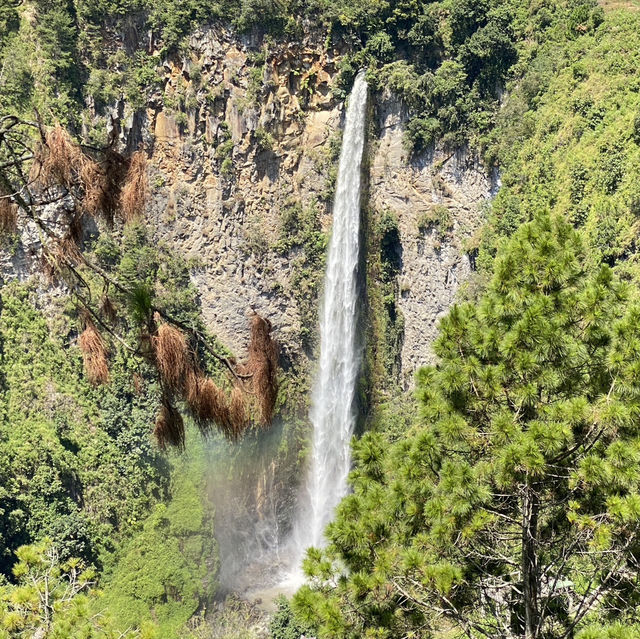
(59, 159)
(263, 366)
(135, 189)
(169, 428)
(107, 309)
(102, 183)
(94, 181)
(138, 383)
(114, 168)
(208, 404)
(191, 383)
(8, 216)
(75, 229)
(58, 256)
(50, 269)
(67, 251)
(238, 411)
(171, 356)
(94, 355)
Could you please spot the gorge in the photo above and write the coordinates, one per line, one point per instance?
(339, 283)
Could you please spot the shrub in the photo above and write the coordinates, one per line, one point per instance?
(381, 47)
(264, 139)
(439, 217)
(284, 624)
(636, 129)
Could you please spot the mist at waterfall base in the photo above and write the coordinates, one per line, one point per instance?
(263, 524)
(252, 486)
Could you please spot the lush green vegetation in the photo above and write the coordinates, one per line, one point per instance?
(77, 465)
(566, 141)
(521, 479)
(79, 468)
(380, 391)
(284, 625)
(165, 573)
(301, 238)
(449, 60)
(154, 583)
(511, 507)
(53, 596)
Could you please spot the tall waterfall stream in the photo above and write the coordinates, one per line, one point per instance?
(332, 411)
(258, 557)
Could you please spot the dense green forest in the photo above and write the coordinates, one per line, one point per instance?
(503, 502)
(84, 488)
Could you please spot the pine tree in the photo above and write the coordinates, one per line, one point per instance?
(513, 508)
(52, 599)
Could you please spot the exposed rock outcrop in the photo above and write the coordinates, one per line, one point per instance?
(284, 124)
(237, 135)
(434, 262)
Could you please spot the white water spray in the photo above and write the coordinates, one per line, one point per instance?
(332, 414)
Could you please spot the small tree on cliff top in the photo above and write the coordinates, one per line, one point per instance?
(513, 509)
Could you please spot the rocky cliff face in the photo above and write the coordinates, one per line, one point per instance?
(438, 200)
(244, 144)
(285, 124)
(254, 144)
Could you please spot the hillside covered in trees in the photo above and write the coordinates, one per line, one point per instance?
(497, 494)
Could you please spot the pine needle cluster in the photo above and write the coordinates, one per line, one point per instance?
(114, 186)
(262, 365)
(94, 354)
(8, 216)
(169, 428)
(209, 403)
(135, 189)
(59, 160)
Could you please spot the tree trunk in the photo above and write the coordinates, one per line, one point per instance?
(530, 577)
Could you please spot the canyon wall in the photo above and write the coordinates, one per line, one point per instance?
(285, 127)
(244, 141)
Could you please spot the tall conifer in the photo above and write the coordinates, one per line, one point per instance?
(513, 509)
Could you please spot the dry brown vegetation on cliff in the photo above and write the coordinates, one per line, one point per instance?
(238, 411)
(105, 186)
(114, 168)
(94, 354)
(114, 186)
(171, 355)
(263, 367)
(8, 216)
(208, 402)
(134, 191)
(58, 159)
(169, 428)
(95, 187)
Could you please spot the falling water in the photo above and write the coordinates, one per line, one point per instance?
(332, 414)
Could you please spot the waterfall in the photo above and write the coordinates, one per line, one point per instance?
(332, 412)
(255, 559)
